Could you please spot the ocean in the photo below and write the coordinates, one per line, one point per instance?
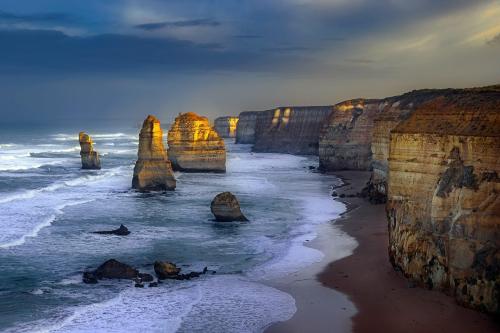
(49, 208)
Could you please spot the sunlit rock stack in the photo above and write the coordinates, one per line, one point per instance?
(293, 130)
(90, 158)
(226, 208)
(226, 126)
(345, 140)
(153, 171)
(245, 130)
(443, 196)
(194, 146)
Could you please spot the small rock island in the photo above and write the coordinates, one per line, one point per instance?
(153, 170)
(226, 208)
(90, 158)
(194, 146)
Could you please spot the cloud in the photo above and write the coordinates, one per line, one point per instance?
(178, 24)
(53, 17)
(494, 41)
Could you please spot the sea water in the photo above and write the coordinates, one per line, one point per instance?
(49, 208)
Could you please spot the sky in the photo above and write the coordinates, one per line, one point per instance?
(114, 62)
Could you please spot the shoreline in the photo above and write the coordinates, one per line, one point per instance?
(370, 294)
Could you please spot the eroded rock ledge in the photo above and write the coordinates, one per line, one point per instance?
(443, 196)
(194, 146)
(153, 171)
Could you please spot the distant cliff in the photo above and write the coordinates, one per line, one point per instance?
(444, 194)
(293, 130)
(245, 129)
(226, 126)
(345, 140)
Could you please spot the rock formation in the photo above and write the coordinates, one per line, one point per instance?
(194, 146)
(113, 269)
(443, 196)
(121, 231)
(345, 140)
(226, 126)
(226, 208)
(165, 269)
(153, 171)
(292, 130)
(245, 130)
(90, 158)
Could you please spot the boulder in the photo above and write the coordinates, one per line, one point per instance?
(166, 270)
(226, 208)
(113, 269)
(194, 146)
(153, 170)
(121, 231)
(90, 158)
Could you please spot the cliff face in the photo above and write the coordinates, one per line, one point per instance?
(345, 140)
(153, 171)
(293, 130)
(245, 130)
(90, 158)
(226, 126)
(443, 196)
(194, 146)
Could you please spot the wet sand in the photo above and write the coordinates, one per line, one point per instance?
(384, 301)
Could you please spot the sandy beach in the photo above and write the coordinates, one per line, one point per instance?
(369, 295)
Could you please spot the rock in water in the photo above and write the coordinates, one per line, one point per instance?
(226, 208)
(194, 146)
(90, 158)
(226, 126)
(153, 170)
(121, 231)
(113, 269)
(166, 270)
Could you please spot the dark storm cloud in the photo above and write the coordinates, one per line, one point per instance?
(178, 24)
(36, 18)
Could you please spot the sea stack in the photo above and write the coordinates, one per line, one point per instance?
(90, 158)
(443, 196)
(153, 171)
(194, 146)
(226, 126)
(226, 208)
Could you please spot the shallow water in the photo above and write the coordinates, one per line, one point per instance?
(49, 207)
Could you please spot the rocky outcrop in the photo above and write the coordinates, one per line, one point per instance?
(292, 130)
(113, 269)
(153, 170)
(443, 196)
(226, 208)
(226, 126)
(194, 146)
(90, 158)
(245, 130)
(121, 231)
(167, 270)
(345, 140)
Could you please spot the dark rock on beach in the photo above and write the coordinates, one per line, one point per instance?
(121, 231)
(166, 270)
(226, 208)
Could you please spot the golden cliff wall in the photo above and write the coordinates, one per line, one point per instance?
(345, 140)
(194, 146)
(226, 126)
(292, 130)
(443, 196)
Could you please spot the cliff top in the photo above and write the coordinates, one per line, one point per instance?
(191, 116)
(468, 112)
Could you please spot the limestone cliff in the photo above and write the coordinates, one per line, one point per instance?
(194, 146)
(90, 158)
(153, 171)
(292, 130)
(245, 129)
(345, 140)
(226, 126)
(443, 196)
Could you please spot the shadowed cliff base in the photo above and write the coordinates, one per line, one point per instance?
(386, 301)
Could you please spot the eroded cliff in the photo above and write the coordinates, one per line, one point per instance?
(194, 146)
(90, 158)
(245, 129)
(443, 196)
(226, 126)
(292, 130)
(345, 140)
(152, 171)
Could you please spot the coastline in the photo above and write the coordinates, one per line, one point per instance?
(382, 298)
